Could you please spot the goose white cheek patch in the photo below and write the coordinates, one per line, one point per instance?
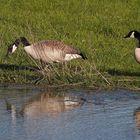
(14, 48)
(132, 35)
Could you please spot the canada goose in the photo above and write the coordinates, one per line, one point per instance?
(47, 51)
(135, 34)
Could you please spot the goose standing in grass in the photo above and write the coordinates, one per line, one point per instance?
(135, 34)
(47, 51)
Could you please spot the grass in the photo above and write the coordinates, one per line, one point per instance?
(95, 27)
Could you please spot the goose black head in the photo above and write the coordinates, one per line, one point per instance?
(133, 34)
(12, 47)
(24, 41)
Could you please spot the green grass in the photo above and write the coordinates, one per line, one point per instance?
(95, 27)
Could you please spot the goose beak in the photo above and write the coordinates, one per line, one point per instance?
(9, 50)
(7, 54)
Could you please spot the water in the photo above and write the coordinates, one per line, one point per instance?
(69, 115)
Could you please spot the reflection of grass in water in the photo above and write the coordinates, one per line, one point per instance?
(95, 27)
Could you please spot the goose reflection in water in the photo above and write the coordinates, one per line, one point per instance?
(46, 104)
(137, 118)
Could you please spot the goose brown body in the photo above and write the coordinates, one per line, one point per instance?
(51, 51)
(47, 51)
(137, 55)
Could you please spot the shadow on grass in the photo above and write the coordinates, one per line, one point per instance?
(11, 67)
(114, 72)
(33, 79)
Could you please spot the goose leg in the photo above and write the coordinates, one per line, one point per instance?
(38, 80)
(44, 70)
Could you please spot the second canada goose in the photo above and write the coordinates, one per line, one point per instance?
(135, 34)
(47, 51)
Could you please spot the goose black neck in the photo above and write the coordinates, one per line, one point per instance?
(137, 35)
(138, 38)
(24, 41)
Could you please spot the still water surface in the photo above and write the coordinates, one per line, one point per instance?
(29, 114)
